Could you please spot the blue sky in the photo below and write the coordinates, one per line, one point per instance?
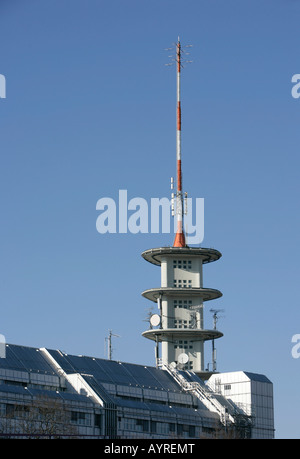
(89, 110)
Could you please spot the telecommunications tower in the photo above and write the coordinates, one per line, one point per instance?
(178, 326)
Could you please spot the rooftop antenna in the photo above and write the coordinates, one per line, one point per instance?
(215, 316)
(214, 351)
(108, 339)
(179, 240)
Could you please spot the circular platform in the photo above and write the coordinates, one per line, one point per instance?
(205, 293)
(155, 255)
(173, 334)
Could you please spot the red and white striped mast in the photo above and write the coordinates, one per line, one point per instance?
(179, 240)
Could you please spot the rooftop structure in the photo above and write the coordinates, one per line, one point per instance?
(251, 392)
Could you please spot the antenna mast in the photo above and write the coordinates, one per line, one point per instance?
(109, 343)
(179, 237)
(179, 240)
(214, 356)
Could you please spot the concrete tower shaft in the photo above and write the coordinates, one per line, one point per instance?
(180, 300)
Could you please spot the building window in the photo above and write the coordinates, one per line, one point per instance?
(153, 426)
(129, 424)
(17, 411)
(192, 431)
(172, 427)
(2, 409)
(80, 418)
(182, 304)
(227, 387)
(179, 323)
(142, 425)
(182, 264)
(162, 428)
(186, 430)
(183, 344)
(97, 420)
(182, 283)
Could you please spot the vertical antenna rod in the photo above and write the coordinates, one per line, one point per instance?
(179, 237)
(109, 343)
(214, 358)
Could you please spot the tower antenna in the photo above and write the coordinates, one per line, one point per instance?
(180, 237)
(214, 352)
(179, 240)
(108, 339)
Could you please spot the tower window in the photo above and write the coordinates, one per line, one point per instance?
(178, 283)
(183, 345)
(182, 283)
(179, 323)
(182, 304)
(182, 264)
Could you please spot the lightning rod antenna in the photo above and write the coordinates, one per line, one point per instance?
(108, 339)
(179, 237)
(179, 240)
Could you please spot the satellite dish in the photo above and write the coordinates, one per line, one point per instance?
(183, 358)
(173, 364)
(155, 320)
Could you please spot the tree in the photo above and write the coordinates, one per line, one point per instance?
(44, 417)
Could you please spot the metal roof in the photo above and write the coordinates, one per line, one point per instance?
(111, 371)
(23, 358)
(257, 377)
